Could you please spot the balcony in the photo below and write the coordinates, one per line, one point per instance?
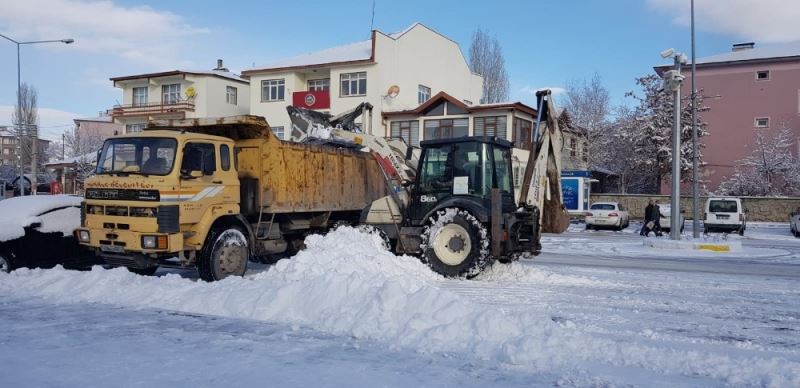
(319, 99)
(152, 109)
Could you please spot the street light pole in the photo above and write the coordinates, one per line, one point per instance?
(695, 156)
(672, 82)
(34, 133)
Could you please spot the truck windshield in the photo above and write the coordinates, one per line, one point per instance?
(145, 156)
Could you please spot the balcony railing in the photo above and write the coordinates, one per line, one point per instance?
(151, 109)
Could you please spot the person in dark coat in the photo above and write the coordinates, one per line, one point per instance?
(652, 218)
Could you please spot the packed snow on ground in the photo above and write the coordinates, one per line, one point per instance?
(345, 284)
(20, 212)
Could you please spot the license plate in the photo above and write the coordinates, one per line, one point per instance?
(112, 248)
(723, 217)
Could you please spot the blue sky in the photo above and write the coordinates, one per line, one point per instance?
(546, 43)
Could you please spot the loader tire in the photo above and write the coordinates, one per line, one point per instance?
(225, 253)
(455, 244)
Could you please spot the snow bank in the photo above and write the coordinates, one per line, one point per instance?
(19, 212)
(344, 283)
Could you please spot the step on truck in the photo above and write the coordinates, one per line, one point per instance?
(215, 193)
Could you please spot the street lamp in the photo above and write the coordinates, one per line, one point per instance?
(34, 135)
(672, 82)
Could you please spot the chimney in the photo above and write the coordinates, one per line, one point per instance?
(743, 46)
(220, 66)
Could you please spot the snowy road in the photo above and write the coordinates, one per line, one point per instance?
(596, 308)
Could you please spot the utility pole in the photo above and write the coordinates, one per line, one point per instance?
(20, 131)
(695, 147)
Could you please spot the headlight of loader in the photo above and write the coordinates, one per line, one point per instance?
(83, 235)
(149, 242)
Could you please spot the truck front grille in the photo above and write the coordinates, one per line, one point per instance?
(168, 219)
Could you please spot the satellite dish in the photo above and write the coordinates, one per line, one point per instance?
(393, 91)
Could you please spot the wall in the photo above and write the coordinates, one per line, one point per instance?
(741, 99)
(760, 208)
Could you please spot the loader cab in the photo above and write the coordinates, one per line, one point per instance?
(462, 172)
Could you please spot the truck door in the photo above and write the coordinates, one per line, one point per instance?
(201, 180)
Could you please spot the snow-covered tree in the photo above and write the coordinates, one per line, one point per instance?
(651, 132)
(83, 146)
(770, 169)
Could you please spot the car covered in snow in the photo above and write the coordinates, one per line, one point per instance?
(607, 215)
(724, 215)
(666, 217)
(37, 231)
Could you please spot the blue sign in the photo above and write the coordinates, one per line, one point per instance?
(571, 190)
(576, 173)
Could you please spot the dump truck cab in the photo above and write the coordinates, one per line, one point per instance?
(155, 194)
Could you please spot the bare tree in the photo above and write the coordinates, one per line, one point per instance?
(25, 118)
(589, 105)
(83, 147)
(486, 58)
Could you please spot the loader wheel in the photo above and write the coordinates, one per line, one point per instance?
(224, 253)
(149, 271)
(455, 244)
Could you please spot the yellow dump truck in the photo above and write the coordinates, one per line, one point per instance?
(213, 193)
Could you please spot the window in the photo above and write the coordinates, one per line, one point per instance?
(443, 129)
(273, 89)
(5, 151)
(278, 131)
(225, 157)
(231, 95)
(518, 171)
(573, 147)
(762, 122)
(148, 155)
(354, 84)
(406, 130)
(585, 152)
(171, 94)
(140, 96)
(490, 126)
(423, 94)
(762, 75)
(199, 157)
(522, 133)
(317, 85)
(132, 128)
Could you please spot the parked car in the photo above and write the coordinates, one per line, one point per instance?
(726, 215)
(666, 217)
(794, 222)
(37, 232)
(607, 215)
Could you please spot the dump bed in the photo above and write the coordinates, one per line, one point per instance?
(294, 177)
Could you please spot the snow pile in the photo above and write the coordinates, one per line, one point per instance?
(517, 272)
(20, 212)
(344, 283)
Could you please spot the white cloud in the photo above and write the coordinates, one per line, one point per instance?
(556, 90)
(760, 21)
(52, 122)
(141, 34)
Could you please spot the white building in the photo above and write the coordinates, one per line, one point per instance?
(179, 94)
(392, 72)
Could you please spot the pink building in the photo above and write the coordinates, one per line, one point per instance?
(748, 89)
(102, 127)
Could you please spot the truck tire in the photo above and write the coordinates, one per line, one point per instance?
(455, 244)
(224, 253)
(149, 271)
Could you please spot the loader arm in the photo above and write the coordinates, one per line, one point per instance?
(541, 184)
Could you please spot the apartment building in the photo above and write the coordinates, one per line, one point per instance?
(394, 71)
(9, 149)
(179, 94)
(748, 90)
(102, 127)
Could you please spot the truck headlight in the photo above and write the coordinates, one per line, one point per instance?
(149, 242)
(83, 235)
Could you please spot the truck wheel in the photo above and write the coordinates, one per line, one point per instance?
(149, 271)
(455, 244)
(224, 253)
(6, 262)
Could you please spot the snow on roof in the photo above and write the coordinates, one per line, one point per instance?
(20, 212)
(217, 73)
(756, 53)
(351, 52)
(224, 74)
(87, 158)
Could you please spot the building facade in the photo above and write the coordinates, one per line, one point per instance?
(9, 150)
(748, 90)
(397, 71)
(179, 94)
(102, 127)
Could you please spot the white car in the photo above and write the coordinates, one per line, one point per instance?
(666, 217)
(725, 214)
(608, 215)
(794, 222)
